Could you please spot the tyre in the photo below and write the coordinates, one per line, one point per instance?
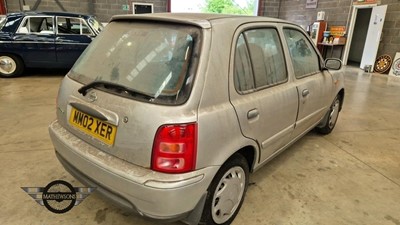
(226, 192)
(332, 116)
(10, 66)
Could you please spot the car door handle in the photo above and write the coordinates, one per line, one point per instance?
(252, 114)
(305, 92)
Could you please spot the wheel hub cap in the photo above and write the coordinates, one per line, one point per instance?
(228, 195)
(334, 114)
(7, 65)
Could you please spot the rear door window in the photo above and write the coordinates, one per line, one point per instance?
(259, 60)
(37, 24)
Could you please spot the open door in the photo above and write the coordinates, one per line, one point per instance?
(373, 36)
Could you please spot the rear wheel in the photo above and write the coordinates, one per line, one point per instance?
(226, 192)
(10, 66)
(333, 115)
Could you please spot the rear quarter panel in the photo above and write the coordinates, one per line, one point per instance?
(219, 131)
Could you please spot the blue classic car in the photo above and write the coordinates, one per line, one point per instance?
(43, 40)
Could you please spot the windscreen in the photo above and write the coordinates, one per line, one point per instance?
(151, 58)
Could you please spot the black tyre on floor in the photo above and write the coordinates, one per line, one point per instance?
(226, 192)
(332, 116)
(10, 65)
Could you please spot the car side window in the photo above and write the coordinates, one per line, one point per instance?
(304, 58)
(42, 25)
(67, 25)
(259, 60)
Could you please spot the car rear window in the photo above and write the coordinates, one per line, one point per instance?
(10, 23)
(2, 21)
(155, 59)
(96, 25)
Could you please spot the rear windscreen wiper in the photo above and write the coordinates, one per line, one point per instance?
(109, 85)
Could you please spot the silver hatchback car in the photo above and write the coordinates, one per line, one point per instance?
(167, 114)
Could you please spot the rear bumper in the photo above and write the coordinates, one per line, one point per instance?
(152, 194)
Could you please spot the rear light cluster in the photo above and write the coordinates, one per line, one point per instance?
(175, 148)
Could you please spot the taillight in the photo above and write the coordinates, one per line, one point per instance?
(175, 148)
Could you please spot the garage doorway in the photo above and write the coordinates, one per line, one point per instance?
(364, 35)
(359, 36)
(242, 7)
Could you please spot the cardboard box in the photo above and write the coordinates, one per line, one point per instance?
(339, 40)
(338, 31)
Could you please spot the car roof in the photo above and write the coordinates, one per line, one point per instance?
(204, 20)
(35, 13)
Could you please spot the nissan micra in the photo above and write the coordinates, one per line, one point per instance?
(167, 114)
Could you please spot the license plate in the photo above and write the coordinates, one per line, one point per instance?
(96, 128)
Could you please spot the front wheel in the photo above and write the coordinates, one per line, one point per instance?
(10, 66)
(226, 192)
(332, 115)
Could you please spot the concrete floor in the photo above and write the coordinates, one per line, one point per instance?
(351, 176)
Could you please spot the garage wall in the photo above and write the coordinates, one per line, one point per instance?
(103, 9)
(391, 29)
(269, 8)
(337, 12)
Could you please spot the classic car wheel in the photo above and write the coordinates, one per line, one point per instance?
(10, 66)
(226, 192)
(333, 115)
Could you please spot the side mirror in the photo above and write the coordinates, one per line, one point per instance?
(333, 64)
